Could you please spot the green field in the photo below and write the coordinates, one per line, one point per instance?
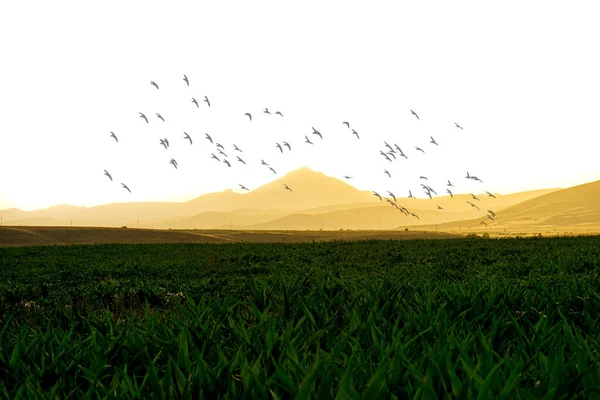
(465, 318)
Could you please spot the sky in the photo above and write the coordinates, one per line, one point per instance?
(521, 78)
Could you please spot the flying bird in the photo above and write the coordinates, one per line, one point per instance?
(267, 111)
(287, 187)
(288, 145)
(451, 195)
(244, 187)
(143, 116)
(221, 151)
(125, 187)
(474, 197)
(237, 149)
(227, 162)
(279, 146)
(491, 195)
(355, 133)
(187, 137)
(221, 146)
(207, 136)
(428, 193)
(316, 132)
(308, 140)
(206, 101)
(439, 208)
(490, 217)
(262, 162)
(457, 125)
(388, 146)
(271, 168)
(112, 135)
(215, 157)
(162, 142)
(472, 205)
(160, 116)
(423, 177)
(449, 184)
(278, 112)
(415, 114)
(173, 162)
(415, 215)
(484, 223)
(186, 80)
(377, 194)
(154, 84)
(347, 124)
(433, 141)
(420, 149)
(387, 172)
(347, 177)
(410, 195)
(493, 213)
(249, 116)
(195, 102)
(392, 194)
(240, 160)
(107, 174)
(391, 153)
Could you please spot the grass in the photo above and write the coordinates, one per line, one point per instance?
(467, 318)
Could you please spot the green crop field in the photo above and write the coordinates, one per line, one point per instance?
(466, 318)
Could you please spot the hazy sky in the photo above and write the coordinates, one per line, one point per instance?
(521, 77)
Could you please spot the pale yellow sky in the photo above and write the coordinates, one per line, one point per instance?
(520, 77)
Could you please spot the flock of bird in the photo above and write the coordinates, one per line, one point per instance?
(387, 155)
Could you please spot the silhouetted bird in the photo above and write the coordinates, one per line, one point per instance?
(388, 146)
(279, 146)
(449, 184)
(433, 141)
(355, 133)
(493, 213)
(420, 149)
(112, 135)
(195, 102)
(410, 195)
(267, 111)
(143, 116)
(316, 132)
(160, 116)
(474, 197)
(415, 114)
(423, 177)
(244, 187)
(262, 162)
(288, 145)
(387, 158)
(438, 207)
(237, 149)
(457, 125)
(490, 217)
(107, 174)
(162, 141)
(154, 84)
(221, 151)
(187, 137)
(347, 124)
(387, 172)
(273, 170)
(186, 80)
(240, 160)
(287, 188)
(207, 136)
(451, 195)
(278, 112)
(377, 194)
(308, 140)
(220, 145)
(173, 162)
(227, 162)
(249, 116)
(347, 177)
(206, 101)
(491, 195)
(473, 205)
(392, 194)
(415, 215)
(215, 157)
(391, 153)
(484, 223)
(125, 187)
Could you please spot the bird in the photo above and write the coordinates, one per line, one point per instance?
(244, 187)
(347, 124)
(107, 174)
(287, 187)
(391, 153)
(451, 195)
(185, 78)
(112, 134)
(143, 116)
(187, 137)
(237, 149)
(316, 132)
(262, 162)
(457, 125)
(249, 116)
(387, 172)
(278, 112)
(484, 223)
(227, 162)
(195, 102)
(377, 194)
(449, 184)
(240, 160)
(160, 116)
(415, 114)
(420, 149)
(207, 136)
(206, 101)
(473, 205)
(428, 193)
(474, 197)
(288, 145)
(173, 162)
(476, 179)
(355, 133)
(279, 146)
(490, 217)
(493, 213)
(347, 177)
(167, 142)
(221, 146)
(387, 158)
(388, 146)
(308, 140)
(468, 176)
(491, 195)
(124, 186)
(423, 177)
(221, 151)
(215, 157)
(271, 168)
(431, 190)
(410, 195)
(392, 194)
(400, 151)
(154, 84)
(439, 208)
(415, 215)
(162, 141)
(433, 141)
(267, 111)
